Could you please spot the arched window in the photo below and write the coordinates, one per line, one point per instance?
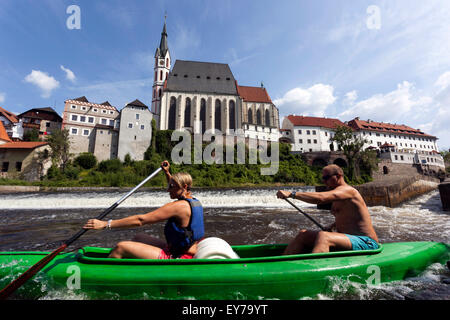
(154, 93)
(258, 117)
(160, 75)
(172, 113)
(159, 93)
(203, 114)
(232, 115)
(167, 62)
(218, 115)
(156, 75)
(250, 115)
(267, 116)
(187, 113)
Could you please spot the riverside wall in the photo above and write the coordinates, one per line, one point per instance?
(392, 191)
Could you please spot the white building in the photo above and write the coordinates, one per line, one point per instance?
(204, 96)
(310, 134)
(399, 143)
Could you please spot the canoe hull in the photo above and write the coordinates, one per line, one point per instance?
(261, 273)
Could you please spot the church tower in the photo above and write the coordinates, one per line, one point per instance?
(162, 69)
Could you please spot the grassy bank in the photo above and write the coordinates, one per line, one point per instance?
(292, 170)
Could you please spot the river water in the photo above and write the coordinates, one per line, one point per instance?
(41, 221)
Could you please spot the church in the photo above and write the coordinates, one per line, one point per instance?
(205, 97)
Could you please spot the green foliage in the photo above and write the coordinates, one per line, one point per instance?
(86, 160)
(31, 135)
(60, 145)
(351, 145)
(108, 166)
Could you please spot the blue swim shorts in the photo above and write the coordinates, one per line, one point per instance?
(362, 242)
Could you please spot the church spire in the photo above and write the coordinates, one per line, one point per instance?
(163, 47)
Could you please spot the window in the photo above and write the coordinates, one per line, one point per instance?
(83, 108)
(91, 119)
(74, 131)
(299, 131)
(82, 119)
(73, 107)
(309, 140)
(47, 124)
(18, 166)
(95, 110)
(104, 121)
(111, 123)
(104, 111)
(130, 125)
(85, 132)
(142, 127)
(74, 117)
(315, 141)
(5, 166)
(314, 132)
(300, 141)
(401, 158)
(326, 134)
(308, 132)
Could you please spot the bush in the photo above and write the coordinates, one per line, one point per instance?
(112, 165)
(86, 160)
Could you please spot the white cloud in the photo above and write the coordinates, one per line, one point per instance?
(350, 98)
(69, 74)
(395, 105)
(2, 97)
(408, 105)
(43, 81)
(312, 101)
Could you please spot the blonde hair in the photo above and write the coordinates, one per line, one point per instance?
(183, 178)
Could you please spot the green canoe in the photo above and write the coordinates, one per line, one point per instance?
(260, 273)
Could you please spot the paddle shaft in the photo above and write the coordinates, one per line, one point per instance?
(13, 286)
(305, 214)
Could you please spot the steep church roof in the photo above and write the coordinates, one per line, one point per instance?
(163, 46)
(204, 77)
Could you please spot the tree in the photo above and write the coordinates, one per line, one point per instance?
(151, 150)
(31, 135)
(60, 145)
(86, 160)
(352, 147)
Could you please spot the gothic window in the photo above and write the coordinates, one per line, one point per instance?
(187, 113)
(160, 75)
(167, 62)
(267, 116)
(232, 115)
(250, 115)
(218, 115)
(203, 114)
(172, 113)
(159, 93)
(258, 117)
(156, 75)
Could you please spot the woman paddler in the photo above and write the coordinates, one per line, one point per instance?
(183, 229)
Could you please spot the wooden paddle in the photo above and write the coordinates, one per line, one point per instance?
(17, 283)
(306, 215)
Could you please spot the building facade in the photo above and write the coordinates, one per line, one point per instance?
(310, 134)
(205, 97)
(44, 120)
(12, 124)
(92, 127)
(399, 143)
(135, 130)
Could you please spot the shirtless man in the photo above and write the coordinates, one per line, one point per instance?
(353, 225)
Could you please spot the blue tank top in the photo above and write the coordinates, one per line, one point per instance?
(180, 239)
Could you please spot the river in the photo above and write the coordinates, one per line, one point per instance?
(41, 221)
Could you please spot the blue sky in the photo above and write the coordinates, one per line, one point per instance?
(381, 60)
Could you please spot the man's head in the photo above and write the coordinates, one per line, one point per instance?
(332, 175)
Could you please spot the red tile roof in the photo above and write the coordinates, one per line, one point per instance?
(253, 94)
(23, 145)
(3, 135)
(370, 125)
(315, 122)
(9, 115)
